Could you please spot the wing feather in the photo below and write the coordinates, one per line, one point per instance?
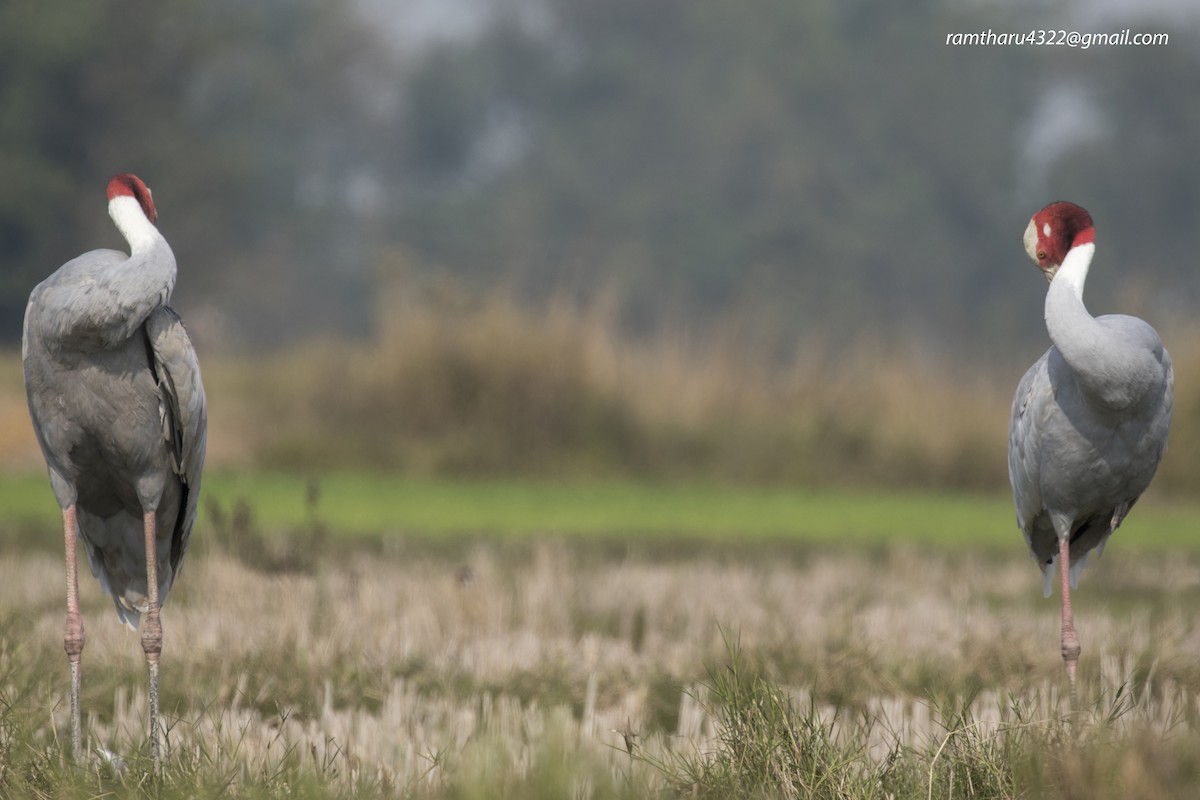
(184, 412)
(1034, 394)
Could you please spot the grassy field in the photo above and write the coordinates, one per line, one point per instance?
(371, 636)
(376, 504)
(502, 552)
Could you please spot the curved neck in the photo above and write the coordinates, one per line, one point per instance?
(1066, 286)
(150, 270)
(142, 282)
(1111, 370)
(132, 223)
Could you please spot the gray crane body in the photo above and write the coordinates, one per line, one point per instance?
(1089, 424)
(118, 407)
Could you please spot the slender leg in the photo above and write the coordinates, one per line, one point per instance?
(73, 639)
(1070, 641)
(152, 634)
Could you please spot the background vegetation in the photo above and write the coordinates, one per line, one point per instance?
(468, 386)
(816, 173)
(545, 237)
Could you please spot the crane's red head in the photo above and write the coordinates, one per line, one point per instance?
(129, 185)
(1052, 233)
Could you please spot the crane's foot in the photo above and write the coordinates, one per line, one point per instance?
(152, 646)
(155, 746)
(73, 637)
(1071, 664)
(152, 633)
(76, 715)
(1070, 654)
(1070, 639)
(73, 643)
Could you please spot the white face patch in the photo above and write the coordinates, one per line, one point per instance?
(1031, 241)
(1046, 229)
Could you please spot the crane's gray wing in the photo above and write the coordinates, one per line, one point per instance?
(184, 414)
(1032, 405)
(1033, 397)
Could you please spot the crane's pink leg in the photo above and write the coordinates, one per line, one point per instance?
(74, 637)
(152, 633)
(1070, 640)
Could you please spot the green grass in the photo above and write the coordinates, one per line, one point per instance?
(370, 503)
(362, 503)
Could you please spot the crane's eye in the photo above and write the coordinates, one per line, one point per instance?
(1041, 254)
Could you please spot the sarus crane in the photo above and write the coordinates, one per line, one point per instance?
(118, 407)
(1089, 419)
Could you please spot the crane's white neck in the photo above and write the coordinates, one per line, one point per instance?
(1073, 330)
(1111, 370)
(1073, 272)
(1071, 327)
(131, 221)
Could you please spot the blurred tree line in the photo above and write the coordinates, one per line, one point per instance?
(828, 169)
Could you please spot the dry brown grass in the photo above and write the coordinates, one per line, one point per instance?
(426, 671)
